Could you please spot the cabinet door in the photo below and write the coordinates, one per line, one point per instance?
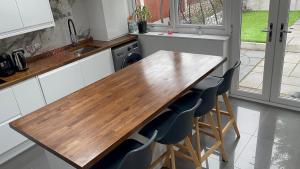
(29, 96)
(8, 105)
(9, 137)
(61, 82)
(9, 16)
(97, 67)
(116, 13)
(35, 12)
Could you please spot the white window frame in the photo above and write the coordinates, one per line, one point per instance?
(224, 29)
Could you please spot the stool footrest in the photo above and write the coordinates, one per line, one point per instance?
(210, 151)
(228, 126)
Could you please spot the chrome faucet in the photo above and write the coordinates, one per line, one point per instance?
(73, 35)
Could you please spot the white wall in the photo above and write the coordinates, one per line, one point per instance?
(151, 44)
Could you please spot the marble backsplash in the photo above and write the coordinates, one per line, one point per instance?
(47, 39)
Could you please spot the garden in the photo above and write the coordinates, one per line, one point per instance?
(253, 22)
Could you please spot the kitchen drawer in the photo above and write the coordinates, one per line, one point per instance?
(29, 96)
(97, 66)
(9, 137)
(8, 105)
(61, 82)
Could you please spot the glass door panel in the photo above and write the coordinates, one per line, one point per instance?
(286, 87)
(290, 83)
(258, 30)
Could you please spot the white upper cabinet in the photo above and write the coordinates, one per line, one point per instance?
(29, 96)
(108, 18)
(8, 105)
(22, 16)
(35, 12)
(97, 66)
(61, 82)
(9, 16)
(116, 14)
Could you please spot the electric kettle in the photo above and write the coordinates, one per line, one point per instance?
(20, 60)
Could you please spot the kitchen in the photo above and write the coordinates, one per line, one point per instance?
(80, 79)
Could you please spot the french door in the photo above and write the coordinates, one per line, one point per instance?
(269, 52)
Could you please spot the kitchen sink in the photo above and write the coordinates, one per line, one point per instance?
(84, 50)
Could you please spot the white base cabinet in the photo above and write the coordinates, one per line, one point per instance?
(29, 96)
(25, 97)
(9, 137)
(97, 66)
(8, 105)
(61, 82)
(15, 101)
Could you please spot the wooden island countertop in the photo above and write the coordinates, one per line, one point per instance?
(85, 126)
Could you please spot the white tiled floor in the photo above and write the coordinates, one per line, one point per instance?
(269, 140)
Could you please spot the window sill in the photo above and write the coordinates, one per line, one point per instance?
(184, 35)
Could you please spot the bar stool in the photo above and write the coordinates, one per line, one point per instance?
(222, 90)
(208, 97)
(131, 154)
(174, 127)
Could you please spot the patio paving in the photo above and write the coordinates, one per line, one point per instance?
(252, 67)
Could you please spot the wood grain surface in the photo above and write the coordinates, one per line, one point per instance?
(86, 125)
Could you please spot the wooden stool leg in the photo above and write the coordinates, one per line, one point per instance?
(229, 109)
(172, 156)
(167, 162)
(198, 139)
(219, 119)
(196, 161)
(215, 132)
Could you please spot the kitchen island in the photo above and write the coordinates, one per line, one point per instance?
(85, 126)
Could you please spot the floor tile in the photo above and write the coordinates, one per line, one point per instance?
(296, 71)
(289, 90)
(244, 70)
(249, 60)
(33, 158)
(288, 68)
(265, 154)
(252, 80)
(261, 63)
(258, 69)
(282, 127)
(288, 80)
(254, 53)
(292, 57)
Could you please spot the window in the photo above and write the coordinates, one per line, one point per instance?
(200, 12)
(185, 13)
(160, 10)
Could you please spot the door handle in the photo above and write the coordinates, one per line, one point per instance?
(283, 32)
(266, 30)
(270, 32)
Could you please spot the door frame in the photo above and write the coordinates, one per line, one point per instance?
(269, 56)
(279, 59)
